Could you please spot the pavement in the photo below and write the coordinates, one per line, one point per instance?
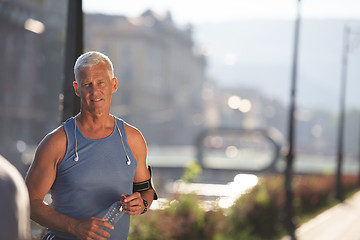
(341, 222)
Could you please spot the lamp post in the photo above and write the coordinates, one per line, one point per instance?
(289, 211)
(73, 49)
(338, 183)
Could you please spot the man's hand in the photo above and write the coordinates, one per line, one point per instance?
(89, 229)
(134, 204)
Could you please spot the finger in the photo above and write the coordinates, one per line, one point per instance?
(95, 236)
(101, 233)
(99, 222)
(132, 197)
(135, 201)
(102, 228)
(90, 228)
(134, 210)
(133, 205)
(106, 225)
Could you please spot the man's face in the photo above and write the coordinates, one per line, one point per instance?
(95, 88)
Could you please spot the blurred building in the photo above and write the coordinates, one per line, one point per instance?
(31, 43)
(160, 74)
(246, 108)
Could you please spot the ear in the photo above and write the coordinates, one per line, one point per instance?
(76, 89)
(114, 84)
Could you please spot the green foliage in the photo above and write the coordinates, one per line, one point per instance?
(191, 172)
(183, 219)
(255, 215)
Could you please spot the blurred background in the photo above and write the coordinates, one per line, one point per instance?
(205, 82)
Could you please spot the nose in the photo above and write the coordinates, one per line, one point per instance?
(93, 89)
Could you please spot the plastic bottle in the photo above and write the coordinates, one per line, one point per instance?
(115, 211)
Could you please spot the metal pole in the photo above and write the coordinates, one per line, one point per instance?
(359, 162)
(289, 211)
(338, 184)
(73, 49)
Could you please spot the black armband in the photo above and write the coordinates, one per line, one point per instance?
(145, 185)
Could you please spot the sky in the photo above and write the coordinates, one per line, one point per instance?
(205, 11)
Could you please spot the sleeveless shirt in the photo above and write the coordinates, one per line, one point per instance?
(87, 187)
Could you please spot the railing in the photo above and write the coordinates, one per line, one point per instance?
(241, 149)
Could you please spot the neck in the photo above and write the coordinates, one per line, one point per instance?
(95, 126)
(85, 118)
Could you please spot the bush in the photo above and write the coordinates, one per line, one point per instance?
(254, 215)
(182, 219)
(314, 192)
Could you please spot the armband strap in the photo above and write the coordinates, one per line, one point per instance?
(145, 185)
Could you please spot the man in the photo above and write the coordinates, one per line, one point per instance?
(90, 162)
(14, 207)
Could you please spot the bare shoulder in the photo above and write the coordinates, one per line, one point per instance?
(136, 142)
(49, 154)
(55, 138)
(133, 134)
(138, 147)
(53, 146)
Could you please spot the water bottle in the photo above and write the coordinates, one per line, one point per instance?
(115, 211)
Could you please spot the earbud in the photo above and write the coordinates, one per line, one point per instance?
(76, 158)
(128, 162)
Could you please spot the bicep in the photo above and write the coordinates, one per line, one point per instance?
(138, 147)
(39, 178)
(141, 172)
(42, 172)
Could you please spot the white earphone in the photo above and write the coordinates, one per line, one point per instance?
(128, 161)
(76, 158)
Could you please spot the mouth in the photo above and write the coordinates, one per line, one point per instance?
(97, 100)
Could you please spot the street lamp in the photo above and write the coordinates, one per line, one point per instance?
(289, 211)
(73, 49)
(338, 183)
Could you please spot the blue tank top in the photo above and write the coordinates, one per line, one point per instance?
(87, 187)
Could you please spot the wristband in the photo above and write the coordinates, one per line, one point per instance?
(146, 204)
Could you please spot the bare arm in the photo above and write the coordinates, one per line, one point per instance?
(39, 180)
(139, 149)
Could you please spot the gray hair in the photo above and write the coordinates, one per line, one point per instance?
(90, 59)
